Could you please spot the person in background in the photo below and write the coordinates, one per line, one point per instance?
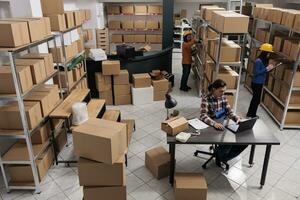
(188, 42)
(214, 109)
(261, 68)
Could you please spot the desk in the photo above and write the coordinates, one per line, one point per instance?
(259, 135)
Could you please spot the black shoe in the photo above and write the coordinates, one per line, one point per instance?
(256, 116)
(188, 87)
(184, 89)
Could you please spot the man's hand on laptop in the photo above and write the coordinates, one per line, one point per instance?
(238, 120)
(219, 126)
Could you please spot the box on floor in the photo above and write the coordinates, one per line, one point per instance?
(124, 99)
(108, 96)
(141, 80)
(130, 124)
(157, 160)
(115, 193)
(122, 78)
(111, 67)
(103, 83)
(142, 96)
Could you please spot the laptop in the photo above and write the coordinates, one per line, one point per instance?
(242, 126)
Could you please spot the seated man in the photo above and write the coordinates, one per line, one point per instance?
(215, 106)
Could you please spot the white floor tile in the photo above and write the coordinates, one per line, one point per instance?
(75, 193)
(289, 186)
(144, 174)
(243, 194)
(67, 181)
(278, 194)
(160, 186)
(134, 163)
(144, 192)
(133, 182)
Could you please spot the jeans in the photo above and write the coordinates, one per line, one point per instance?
(186, 69)
(257, 90)
(227, 152)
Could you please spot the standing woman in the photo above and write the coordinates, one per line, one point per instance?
(188, 42)
(261, 68)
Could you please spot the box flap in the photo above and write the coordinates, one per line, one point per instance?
(190, 181)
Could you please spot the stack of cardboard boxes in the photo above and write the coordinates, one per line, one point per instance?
(103, 85)
(102, 39)
(230, 51)
(139, 9)
(122, 88)
(160, 86)
(101, 164)
(142, 91)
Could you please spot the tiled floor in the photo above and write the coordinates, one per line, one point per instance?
(241, 182)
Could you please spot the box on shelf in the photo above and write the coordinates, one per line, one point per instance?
(270, 84)
(154, 9)
(297, 23)
(117, 38)
(157, 160)
(51, 90)
(230, 51)
(190, 186)
(88, 14)
(60, 140)
(113, 24)
(13, 34)
(277, 87)
(127, 9)
(295, 47)
(139, 38)
(140, 9)
(284, 92)
(11, 118)
(23, 173)
(288, 18)
(69, 16)
(122, 78)
(52, 7)
(37, 67)
(279, 71)
(229, 76)
(106, 140)
(128, 38)
(108, 96)
(64, 79)
(206, 11)
(286, 49)
(121, 89)
(127, 24)
(115, 193)
(174, 125)
(151, 24)
(151, 38)
(275, 15)
(110, 67)
(123, 99)
(76, 74)
(113, 9)
(58, 22)
(288, 75)
(230, 99)
(142, 96)
(7, 83)
(93, 173)
(42, 135)
(46, 57)
(78, 17)
(278, 43)
(141, 80)
(262, 35)
(259, 10)
(140, 24)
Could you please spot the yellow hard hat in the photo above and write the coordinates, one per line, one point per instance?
(185, 33)
(266, 47)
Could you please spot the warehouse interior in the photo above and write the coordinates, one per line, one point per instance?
(152, 100)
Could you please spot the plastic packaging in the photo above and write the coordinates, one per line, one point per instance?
(80, 113)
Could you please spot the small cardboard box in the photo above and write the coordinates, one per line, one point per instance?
(7, 83)
(230, 51)
(140, 9)
(152, 24)
(57, 54)
(122, 90)
(275, 15)
(288, 18)
(278, 43)
(174, 125)
(23, 173)
(287, 45)
(61, 140)
(270, 84)
(123, 99)
(297, 22)
(127, 24)
(52, 6)
(113, 9)
(41, 135)
(292, 117)
(100, 174)
(100, 140)
(110, 67)
(37, 67)
(230, 22)
(142, 96)
(262, 34)
(114, 24)
(151, 38)
(13, 34)
(122, 78)
(63, 79)
(157, 160)
(229, 76)
(76, 74)
(295, 47)
(11, 118)
(160, 85)
(128, 38)
(52, 92)
(44, 99)
(295, 95)
(103, 83)
(88, 14)
(113, 193)
(277, 87)
(58, 22)
(47, 58)
(107, 95)
(78, 17)
(130, 123)
(141, 80)
(69, 16)
(288, 74)
(117, 38)
(159, 95)
(207, 11)
(127, 9)
(154, 9)
(140, 24)
(139, 38)
(230, 99)
(190, 186)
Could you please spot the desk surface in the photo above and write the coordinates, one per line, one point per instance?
(259, 135)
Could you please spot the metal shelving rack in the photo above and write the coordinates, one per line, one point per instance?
(295, 63)
(12, 53)
(179, 30)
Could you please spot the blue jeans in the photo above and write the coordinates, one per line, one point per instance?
(186, 69)
(227, 152)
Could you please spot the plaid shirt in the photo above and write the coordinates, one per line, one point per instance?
(211, 104)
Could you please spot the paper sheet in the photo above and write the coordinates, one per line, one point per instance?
(197, 124)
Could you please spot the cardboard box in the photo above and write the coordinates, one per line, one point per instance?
(140, 24)
(43, 99)
(11, 118)
(100, 174)
(76, 74)
(207, 11)
(230, 98)
(58, 22)
(115, 193)
(230, 51)
(121, 90)
(6, 80)
(69, 16)
(128, 38)
(157, 160)
(103, 83)
(250, 67)
(174, 125)
(100, 140)
(110, 67)
(295, 47)
(127, 24)
(159, 95)
(127, 9)
(152, 24)
(262, 35)
(278, 43)
(288, 74)
(284, 92)
(190, 186)
(130, 123)
(229, 76)
(64, 79)
(113, 9)
(151, 38)
(155, 9)
(287, 45)
(52, 91)
(52, 7)
(160, 85)
(259, 8)
(37, 68)
(270, 84)
(123, 99)
(292, 117)
(13, 34)
(142, 96)
(277, 87)
(47, 58)
(279, 73)
(139, 38)
(114, 24)
(57, 54)
(107, 95)
(117, 38)
(140, 9)
(297, 23)
(23, 173)
(78, 17)
(111, 115)
(275, 15)
(288, 18)
(141, 80)
(122, 78)
(88, 14)
(42, 135)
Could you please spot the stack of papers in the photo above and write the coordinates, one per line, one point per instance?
(197, 124)
(97, 54)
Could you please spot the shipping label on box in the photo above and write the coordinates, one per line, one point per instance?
(174, 125)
